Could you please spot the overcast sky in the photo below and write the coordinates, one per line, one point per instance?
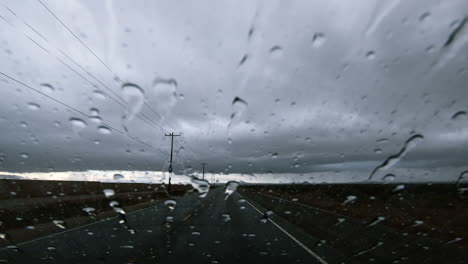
(323, 86)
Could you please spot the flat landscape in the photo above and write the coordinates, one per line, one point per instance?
(375, 219)
(28, 208)
(304, 223)
(434, 210)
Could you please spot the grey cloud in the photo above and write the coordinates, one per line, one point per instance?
(372, 76)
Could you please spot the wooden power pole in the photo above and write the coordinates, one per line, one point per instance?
(203, 173)
(172, 135)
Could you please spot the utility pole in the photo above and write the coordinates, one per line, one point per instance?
(170, 162)
(203, 170)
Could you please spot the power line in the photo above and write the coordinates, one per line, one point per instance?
(109, 89)
(94, 54)
(148, 121)
(95, 86)
(187, 154)
(71, 32)
(80, 112)
(92, 76)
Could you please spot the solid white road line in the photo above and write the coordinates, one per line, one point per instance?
(321, 260)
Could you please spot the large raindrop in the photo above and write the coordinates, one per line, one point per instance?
(135, 98)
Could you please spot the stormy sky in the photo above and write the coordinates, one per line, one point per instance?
(253, 87)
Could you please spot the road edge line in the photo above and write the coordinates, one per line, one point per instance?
(312, 253)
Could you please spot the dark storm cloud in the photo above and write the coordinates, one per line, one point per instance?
(323, 82)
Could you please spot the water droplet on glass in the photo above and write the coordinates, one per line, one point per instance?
(340, 220)
(230, 188)
(417, 223)
(94, 111)
(96, 119)
(195, 233)
(24, 156)
(127, 247)
(108, 192)
(113, 203)
(378, 244)
(424, 16)
(274, 155)
(318, 40)
(165, 90)
(118, 210)
(454, 240)
(349, 199)
(118, 176)
(89, 210)
(393, 159)
(202, 186)
(104, 130)
(276, 52)
(169, 219)
(170, 204)
(239, 106)
(226, 217)
(378, 151)
(461, 179)
(399, 188)
(243, 60)
(77, 124)
(459, 115)
(24, 124)
(59, 223)
(321, 243)
(47, 88)
(376, 221)
(382, 140)
(34, 106)
(370, 55)
(388, 178)
(99, 95)
(135, 98)
(430, 49)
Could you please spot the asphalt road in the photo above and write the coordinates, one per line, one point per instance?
(366, 240)
(198, 230)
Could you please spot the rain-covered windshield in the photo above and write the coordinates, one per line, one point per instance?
(233, 131)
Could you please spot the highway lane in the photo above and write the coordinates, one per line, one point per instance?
(198, 230)
(364, 240)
